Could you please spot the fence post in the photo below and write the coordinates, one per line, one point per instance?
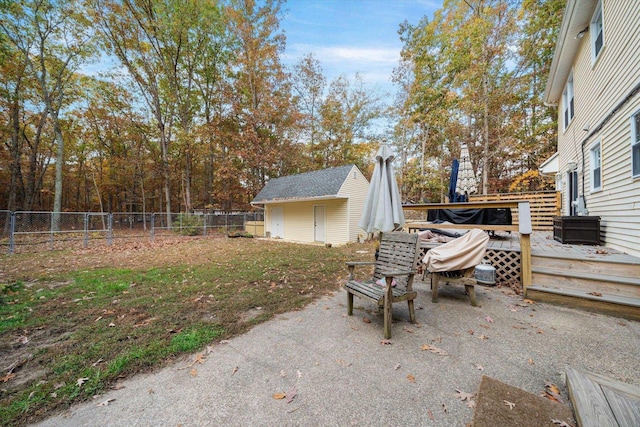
(244, 223)
(85, 242)
(109, 229)
(51, 231)
(152, 227)
(204, 224)
(12, 230)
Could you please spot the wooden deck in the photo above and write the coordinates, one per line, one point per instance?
(600, 401)
(542, 243)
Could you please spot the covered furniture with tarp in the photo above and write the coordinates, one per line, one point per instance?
(392, 279)
(454, 262)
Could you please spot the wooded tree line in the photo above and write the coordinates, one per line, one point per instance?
(475, 74)
(173, 105)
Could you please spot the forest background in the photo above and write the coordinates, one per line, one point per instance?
(195, 109)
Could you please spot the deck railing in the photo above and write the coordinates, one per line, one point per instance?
(522, 225)
(544, 206)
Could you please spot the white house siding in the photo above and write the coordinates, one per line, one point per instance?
(356, 187)
(298, 220)
(337, 218)
(598, 88)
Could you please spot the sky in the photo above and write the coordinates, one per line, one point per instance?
(349, 36)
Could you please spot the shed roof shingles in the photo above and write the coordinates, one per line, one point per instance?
(325, 182)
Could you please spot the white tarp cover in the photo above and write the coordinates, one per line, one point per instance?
(464, 252)
(382, 208)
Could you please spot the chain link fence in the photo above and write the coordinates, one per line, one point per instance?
(41, 231)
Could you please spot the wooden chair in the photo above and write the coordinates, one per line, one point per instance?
(396, 262)
(461, 277)
(454, 262)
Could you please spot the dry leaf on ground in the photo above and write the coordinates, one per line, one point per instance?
(194, 372)
(81, 381)
(434, 349)
(552, 392)
(366, 320)
(511, 405)
(561, 423)
(106, 402)
(386, 342)
(488, 319)
(464, 395)
(411, 378)
(8, 377)
(279, 396)
(291, 394)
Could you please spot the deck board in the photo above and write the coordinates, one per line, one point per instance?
(542, 243)
(600, 401)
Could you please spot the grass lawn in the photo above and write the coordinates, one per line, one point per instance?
(74, 323)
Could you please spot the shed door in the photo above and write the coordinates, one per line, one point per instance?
(277, 222)
(318, 223)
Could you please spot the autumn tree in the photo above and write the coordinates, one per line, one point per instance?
(261, 101)
(309, 84)
(465, 83)
(54, 40)
(537, 123)
(347, 116)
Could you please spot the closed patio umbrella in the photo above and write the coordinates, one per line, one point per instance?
(466, 178)
(383, 207)
(453, 181)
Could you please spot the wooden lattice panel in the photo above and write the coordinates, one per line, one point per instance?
(506, 263)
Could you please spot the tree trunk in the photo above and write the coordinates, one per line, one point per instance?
(57, 197)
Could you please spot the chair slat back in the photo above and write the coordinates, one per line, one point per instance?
(398, 251)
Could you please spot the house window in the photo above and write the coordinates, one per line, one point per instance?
(567, 102)
(635, 144)
(596, 167)
(597, 32)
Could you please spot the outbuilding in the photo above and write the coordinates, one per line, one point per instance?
(322, 206)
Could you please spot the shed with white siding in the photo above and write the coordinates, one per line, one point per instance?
(322, 206)
(594, 80)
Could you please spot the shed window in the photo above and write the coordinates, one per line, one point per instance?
(597, 32)
(596, 167)
(567, 102)
(635, 144)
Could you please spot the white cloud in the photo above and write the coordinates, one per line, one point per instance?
(333, 54)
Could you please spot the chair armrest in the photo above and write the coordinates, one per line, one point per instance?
(354, 263)
(395, 273)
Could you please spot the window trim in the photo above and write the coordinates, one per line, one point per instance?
(635, 134)
(568, 102)
(596, 31)
(597, 146)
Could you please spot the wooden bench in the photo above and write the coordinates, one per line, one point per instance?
(396, 261)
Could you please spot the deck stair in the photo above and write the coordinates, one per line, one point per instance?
(608, 283)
